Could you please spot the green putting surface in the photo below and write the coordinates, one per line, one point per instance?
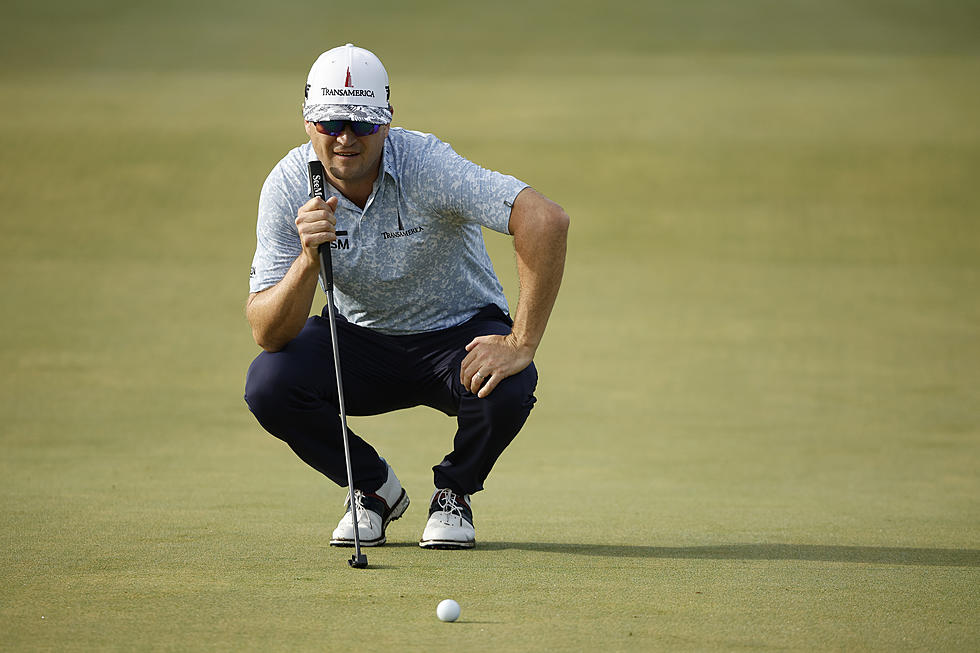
(757, 425)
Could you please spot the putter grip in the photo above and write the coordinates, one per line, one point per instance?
(318, 186)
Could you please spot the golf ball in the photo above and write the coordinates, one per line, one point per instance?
(447, 610)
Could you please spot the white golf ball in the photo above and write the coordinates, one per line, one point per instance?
(447, 610)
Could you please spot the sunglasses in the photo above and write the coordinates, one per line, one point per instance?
(336, 127)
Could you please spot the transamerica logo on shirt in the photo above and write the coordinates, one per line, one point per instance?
(400, 234)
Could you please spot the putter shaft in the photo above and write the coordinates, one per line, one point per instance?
(317, 182)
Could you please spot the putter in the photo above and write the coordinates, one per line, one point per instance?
(317, 182)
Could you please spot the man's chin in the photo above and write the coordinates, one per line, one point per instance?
(345, 170)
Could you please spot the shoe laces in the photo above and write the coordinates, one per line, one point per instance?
(362, 516)
(447, 502)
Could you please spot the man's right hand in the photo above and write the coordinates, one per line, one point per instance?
(316, 224)
(277, 314)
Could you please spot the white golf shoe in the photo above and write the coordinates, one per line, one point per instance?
(374, 512)
(450, 524)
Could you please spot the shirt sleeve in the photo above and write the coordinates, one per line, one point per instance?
(277, 239)
(459, 187)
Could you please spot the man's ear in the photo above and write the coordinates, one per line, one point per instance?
(308, 126)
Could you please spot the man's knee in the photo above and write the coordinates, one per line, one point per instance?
(515, 394)
(267, 386)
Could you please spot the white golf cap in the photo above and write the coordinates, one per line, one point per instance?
(347, 83)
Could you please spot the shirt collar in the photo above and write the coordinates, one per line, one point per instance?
(388, 159)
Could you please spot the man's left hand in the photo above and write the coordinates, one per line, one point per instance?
(490, 360)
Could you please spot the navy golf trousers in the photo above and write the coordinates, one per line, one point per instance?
(293, 394)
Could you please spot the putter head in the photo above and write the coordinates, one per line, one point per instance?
(358, 561)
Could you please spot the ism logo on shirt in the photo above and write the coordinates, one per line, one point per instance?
(341, 244)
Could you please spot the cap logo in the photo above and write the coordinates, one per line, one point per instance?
(331, 82)
(341, 92)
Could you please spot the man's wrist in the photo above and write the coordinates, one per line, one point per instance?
(310, 263)
(521, 343)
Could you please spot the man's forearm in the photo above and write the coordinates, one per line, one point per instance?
(540, 245)
(277, 314)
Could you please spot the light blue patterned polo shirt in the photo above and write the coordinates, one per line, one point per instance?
(414, 259)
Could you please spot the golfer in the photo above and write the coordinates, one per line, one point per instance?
(421, 316)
